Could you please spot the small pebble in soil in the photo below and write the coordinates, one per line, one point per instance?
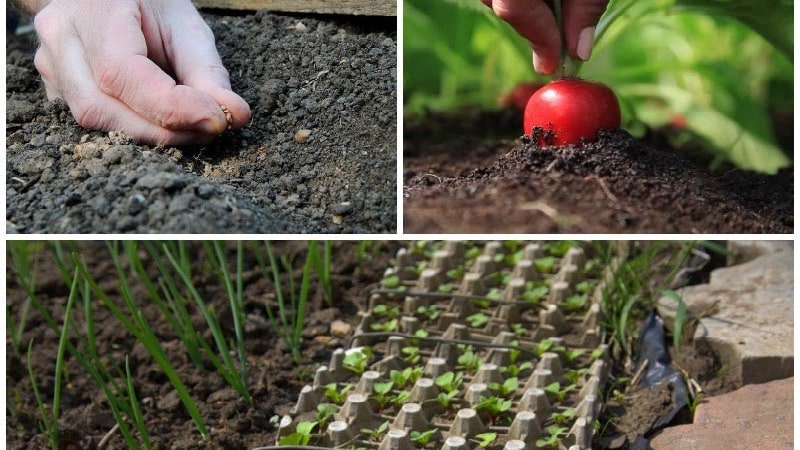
(343, 208)
(302, 135)
(336, 219)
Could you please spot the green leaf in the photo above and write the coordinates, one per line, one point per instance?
(680, 317)
(772, 19)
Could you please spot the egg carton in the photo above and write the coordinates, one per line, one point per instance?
(480, 315)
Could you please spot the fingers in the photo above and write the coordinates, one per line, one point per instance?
(580, 19)
(536, 23)
(121, 67)
(94, 109)
(199, 66)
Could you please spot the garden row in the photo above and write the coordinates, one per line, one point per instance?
(467, 346)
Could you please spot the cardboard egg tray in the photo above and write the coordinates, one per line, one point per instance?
(484, 313)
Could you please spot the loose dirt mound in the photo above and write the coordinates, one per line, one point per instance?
(333, 76)
(459, 181)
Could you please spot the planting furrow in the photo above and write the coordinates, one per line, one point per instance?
(466, 346)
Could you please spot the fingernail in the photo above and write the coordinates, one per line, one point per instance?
(585, 43)
(540, 65)
(214, 125)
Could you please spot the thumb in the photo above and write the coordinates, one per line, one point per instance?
(580, 20)
(197, 64)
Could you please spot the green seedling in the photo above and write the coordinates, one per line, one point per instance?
(400, 398)
(543, 347)
(301, 436)
(559, 248)
(478, 320)
(493, 294)
(693, 403)
(493, 407)
(431, 312)
(419, 267)
(387, 327)
(449, 381)
(405, 377)
(386, 311)
(507, 388)
(383, 393)
(519, 329)
(472, 254)
(411, 355)
(470, 361)
(457, 273)
(138, 422)
(336, 394)
(325, 412)
(574, 375)
(546, 264)
(514, 370)
(391, 282)
(574, 302)
(571, 355)
(446, 398)
(557, 391)
(597, 354)
(560, 418)
(21, 253)
(424, 438)
(445, 288)
(375, 434)
(584, 287)
(484, 439)
(554, 433)
(680, 317)
(534, 292)
(356, 360)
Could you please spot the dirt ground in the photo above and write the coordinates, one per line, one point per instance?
(471, 173)
(335, 76)
(274, 379)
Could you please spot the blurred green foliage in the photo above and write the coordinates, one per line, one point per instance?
(721, 67)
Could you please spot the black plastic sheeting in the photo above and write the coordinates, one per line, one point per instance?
(653, 349)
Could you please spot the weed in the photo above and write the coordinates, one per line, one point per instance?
(680, 317)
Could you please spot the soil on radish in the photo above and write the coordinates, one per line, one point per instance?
(274, 379)
(334, 76)
(470, 173)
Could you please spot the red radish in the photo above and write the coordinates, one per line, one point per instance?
(518, 96)
(571, 109)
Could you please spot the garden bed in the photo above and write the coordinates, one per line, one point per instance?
(334, 76)
(469, 172)
(449, 290)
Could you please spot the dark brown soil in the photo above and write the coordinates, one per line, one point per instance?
(334, 76)
(469, 173)
(274, 378)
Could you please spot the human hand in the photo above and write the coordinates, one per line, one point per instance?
(535, 21)
(113, 63)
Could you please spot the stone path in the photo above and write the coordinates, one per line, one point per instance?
(747, 318)
(758, 416)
